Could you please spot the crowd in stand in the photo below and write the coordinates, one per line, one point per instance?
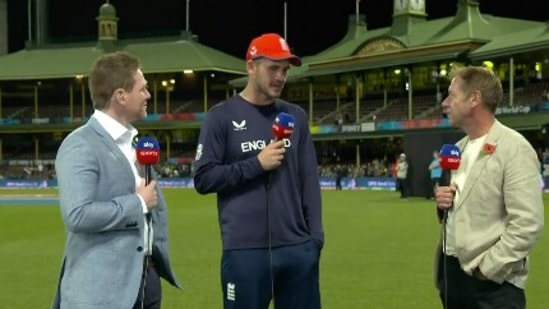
(34, 171)
(374, 168)
(170, 170)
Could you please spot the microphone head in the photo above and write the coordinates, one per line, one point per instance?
(147, 151)
(283, 126)
(449, 157)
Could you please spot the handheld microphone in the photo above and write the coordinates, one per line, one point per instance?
(449, 160)
(283, 126)
(147, 151)
(449, 157)
(148, 154)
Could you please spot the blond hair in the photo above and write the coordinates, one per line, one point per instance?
(111, 72)
(476, 78)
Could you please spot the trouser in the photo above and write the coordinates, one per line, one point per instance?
(462, 291)
(403, 187)
(150, 287)
(249, 277)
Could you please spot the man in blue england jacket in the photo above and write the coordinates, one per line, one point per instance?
(268, 193)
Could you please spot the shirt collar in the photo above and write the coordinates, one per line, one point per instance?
(115, 129)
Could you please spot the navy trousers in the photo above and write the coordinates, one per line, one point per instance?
(150, 292)
(250, 277)
(462, 291)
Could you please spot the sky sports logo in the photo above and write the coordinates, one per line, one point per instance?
(259, 144)
(148, 153)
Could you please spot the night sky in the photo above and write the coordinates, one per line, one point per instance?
(312, 25)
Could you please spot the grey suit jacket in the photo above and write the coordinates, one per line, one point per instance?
(499, 216)
(103, 259)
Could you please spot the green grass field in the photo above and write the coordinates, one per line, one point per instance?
(378, 254)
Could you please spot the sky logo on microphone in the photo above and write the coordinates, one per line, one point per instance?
(147, 150)
(286, 120)
(148, 145)
(450, 157)
(283, 126)
(148, 153)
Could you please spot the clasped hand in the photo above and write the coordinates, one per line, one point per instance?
(148, 193)
(444, 196)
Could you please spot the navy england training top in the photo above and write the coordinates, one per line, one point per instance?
(231, 137)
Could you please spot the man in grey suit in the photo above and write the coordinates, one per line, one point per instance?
(113, 257)
(494, 202)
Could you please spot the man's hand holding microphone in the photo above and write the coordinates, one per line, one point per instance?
(147, 152)
(444, 196)
(148, 193)
(449, 160)
(271, 156)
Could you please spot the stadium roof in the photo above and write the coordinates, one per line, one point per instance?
(414, 39)
(158, 56)
(517, 42)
